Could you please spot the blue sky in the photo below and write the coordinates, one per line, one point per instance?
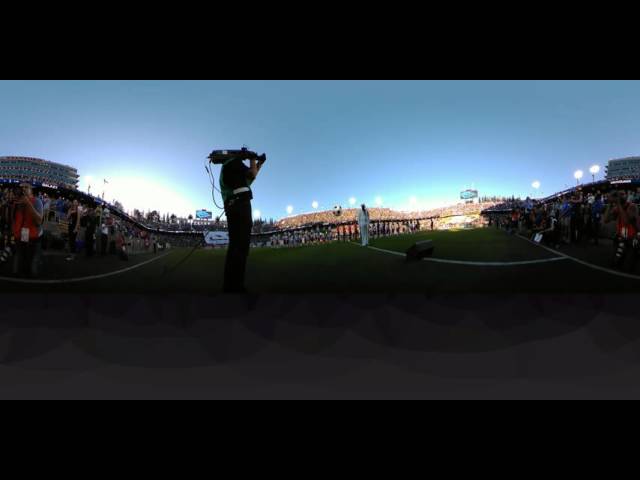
(326, 141)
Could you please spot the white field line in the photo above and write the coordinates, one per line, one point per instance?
(81, 279)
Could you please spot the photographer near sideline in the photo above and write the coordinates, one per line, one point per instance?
(7, 240)
(626, 244)
(235, 185)
(27, 229)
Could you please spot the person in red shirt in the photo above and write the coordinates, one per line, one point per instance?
(625, 214)
(27, 231)
(515, 218)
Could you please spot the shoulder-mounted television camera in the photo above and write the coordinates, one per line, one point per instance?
(219, 157)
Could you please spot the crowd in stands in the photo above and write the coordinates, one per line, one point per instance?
(582, 216)
(380, 214)
(343, 232)
(74, 224)
(461, 209)
(183, 225)
(71, 225)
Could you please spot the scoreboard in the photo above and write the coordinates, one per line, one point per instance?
(469, 194)
(203, 215)
(216, 238)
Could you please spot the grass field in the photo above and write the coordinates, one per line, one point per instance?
(350, 268)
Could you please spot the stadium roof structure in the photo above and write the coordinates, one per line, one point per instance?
(37, 171)
(36, 159)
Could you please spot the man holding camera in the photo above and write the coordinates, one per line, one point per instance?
(235, 181)
(27, 229)
(626, 241)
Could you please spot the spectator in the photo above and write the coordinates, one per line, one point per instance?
(90, 231)
(7, 239)
(61, 209)
(579, 223)
(104, 238)
(553, 233)
(625, 214)
(597, 209)
(565, 219)
(73, 219)
(27, 230)
(121, 244)
(515, 217)
(46, 203)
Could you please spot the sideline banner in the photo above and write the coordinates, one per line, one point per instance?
(216, 238)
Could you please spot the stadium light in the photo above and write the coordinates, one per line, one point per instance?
(87, 180)
(314, 204)
(594, 171)
(578, 175)
(352, 201)
(104, 183)
(290, 209)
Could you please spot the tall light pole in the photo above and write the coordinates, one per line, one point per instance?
(578, 175)
(594, 171)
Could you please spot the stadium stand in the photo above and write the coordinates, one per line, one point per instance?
(573, 216)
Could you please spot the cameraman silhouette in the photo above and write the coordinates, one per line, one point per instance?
(235, 185)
